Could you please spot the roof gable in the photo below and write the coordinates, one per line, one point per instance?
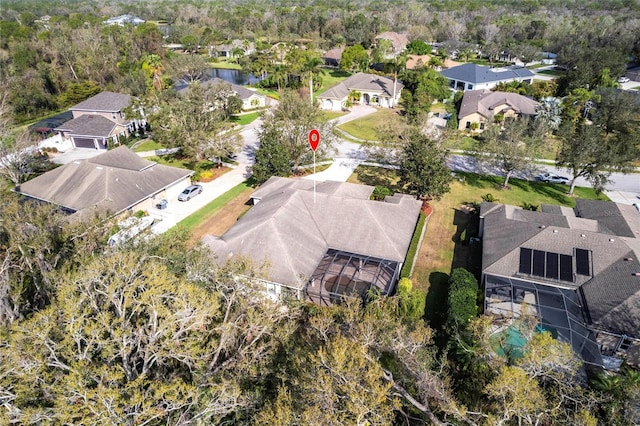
(476, 74)
(294, 229)
(363, 82)
(102, 181)
(104, 102)
(88, 125)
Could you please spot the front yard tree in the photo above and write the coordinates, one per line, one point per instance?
(271, 157)
(593, 150)
(290, 123)
(196, 120)
(421, 87)
(423, 166)
(354, 58)
(510, 147)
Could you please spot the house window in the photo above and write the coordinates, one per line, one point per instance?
(625, 345)
(468, 125)
(481, 126)
(469, 86)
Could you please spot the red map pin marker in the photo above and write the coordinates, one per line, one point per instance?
(314, 139)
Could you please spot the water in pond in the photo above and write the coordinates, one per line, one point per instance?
(234, 76)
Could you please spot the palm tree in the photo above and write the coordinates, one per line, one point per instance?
(398, 63)
(310, 68)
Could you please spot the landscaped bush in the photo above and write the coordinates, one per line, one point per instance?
(489, 198)
(411, 302)
(380, 192)
(413, 247)
(461, 304)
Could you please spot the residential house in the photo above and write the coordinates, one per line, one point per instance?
(416, 61)
(576, 270)
(98, 120)
(114, 182)
(123, 20)
(482, 106)
(474, 77)
(398, 42)
(371, 90)
(250, 98)
(332, 57)
(229, 50)
(325, 243)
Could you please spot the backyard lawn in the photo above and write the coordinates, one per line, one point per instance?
(244, 119)
(331, 78)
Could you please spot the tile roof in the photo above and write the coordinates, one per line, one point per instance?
(292, 232)
(104, 102)
(89, 125)
(113, 181)
(485, 102)
(473, 73)
(363, 82)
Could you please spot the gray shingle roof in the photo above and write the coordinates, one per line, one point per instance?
(611, 293)
(292, 232)
(613, 297)
(485, 102)
(104, 102)
(608, 215)
(89, 125)
(473, 73)
(364, 82)
(114, 181)
(242, 92)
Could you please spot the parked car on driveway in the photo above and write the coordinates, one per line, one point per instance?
(190, 192)
(623, 80)
(551, 178)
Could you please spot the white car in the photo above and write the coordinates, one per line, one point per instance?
(623, 80)
(551, 178)
(190, 192)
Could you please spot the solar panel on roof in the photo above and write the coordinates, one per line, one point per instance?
(525, 260)
(566, 267)
(552, 265)
(538, 263)
(582, 262)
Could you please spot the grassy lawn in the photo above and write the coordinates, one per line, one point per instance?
(331, 78)
(330, 115)
(442, 249)
(555, 73)
(171, 160)
(244, 119)
(366, 128)
(438, 107)
(226, 65)
(191, 222)
(148, 145)
(274, 94)
(464, 141)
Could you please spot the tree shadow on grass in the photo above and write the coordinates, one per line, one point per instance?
(436, 305)
(378, 176)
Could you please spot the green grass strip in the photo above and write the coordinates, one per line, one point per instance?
(413, 247)
(192, 221)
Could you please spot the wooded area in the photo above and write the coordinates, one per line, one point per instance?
(157, 333)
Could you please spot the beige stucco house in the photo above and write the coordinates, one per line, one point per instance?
(372, 90)
(482, 106)
(111, 183)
